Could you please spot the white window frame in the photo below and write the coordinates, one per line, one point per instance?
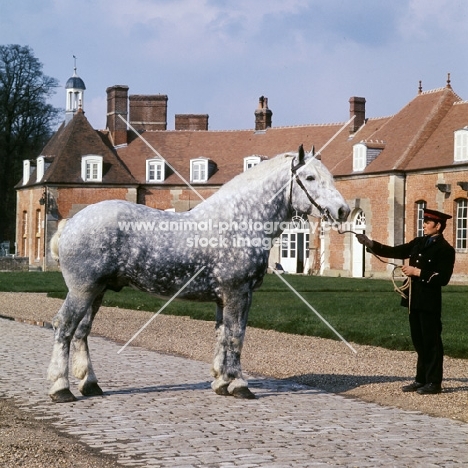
(461, 231)
(155, 170)
(199, 170)
(420, 206)
(460, 141)
(251, 161)
(359, 157)
(91, 168)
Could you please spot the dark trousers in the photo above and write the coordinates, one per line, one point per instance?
(426, 329)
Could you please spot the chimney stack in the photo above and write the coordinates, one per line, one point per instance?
(191, 121)
(148, 112)
(117, 97)
(262, 114)
(357, 108)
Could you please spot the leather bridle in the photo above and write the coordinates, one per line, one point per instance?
(324, 213)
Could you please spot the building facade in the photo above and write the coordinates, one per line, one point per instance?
(388, 169)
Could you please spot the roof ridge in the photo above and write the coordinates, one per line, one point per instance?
(331, 124)
(432, 91)
(381, 118)
(437, 90)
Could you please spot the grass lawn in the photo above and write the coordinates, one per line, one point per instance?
(363, 311)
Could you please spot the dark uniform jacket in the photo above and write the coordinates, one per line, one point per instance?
(435, 257)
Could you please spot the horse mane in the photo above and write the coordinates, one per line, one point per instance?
(270, 169)
(276, 168)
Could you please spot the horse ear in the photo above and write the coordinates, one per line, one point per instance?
(301, 155)
(317, 156)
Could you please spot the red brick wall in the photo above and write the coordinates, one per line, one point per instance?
(423, 187)
(71, 200)
(27, 246)
(181, 199)
(384, 211)
(371, 195)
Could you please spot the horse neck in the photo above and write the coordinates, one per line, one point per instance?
(264, 199)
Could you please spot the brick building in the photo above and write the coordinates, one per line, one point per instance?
(387, 168)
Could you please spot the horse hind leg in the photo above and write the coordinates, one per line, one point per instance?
(230, 328)
(65, 323)
(81, 361)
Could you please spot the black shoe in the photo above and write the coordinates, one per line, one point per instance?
(430, 389)
(412, 387)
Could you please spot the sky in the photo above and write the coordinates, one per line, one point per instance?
(217, 57)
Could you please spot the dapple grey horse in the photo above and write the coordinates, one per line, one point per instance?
(116, 243)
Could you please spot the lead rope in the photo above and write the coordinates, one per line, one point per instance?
(405, 289)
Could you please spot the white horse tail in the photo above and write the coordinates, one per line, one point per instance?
(54, 242)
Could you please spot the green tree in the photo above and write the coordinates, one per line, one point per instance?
(26, 122)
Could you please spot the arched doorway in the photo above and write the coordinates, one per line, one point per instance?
(359, 227)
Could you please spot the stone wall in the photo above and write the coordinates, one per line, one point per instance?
(14, 263)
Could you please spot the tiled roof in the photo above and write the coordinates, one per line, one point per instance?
(419, 136)
(405, 135)
(225, 148)
(402, 138)
(439, 148)
(69, 144)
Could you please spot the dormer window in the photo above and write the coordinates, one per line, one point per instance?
(359, 157)
(251, 161)
(155, 170)
(365, 152)
(27, 171)
(461, 145)
(91, 168)
(40, 168)
(200, 169)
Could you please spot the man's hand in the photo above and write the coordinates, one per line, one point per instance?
(410, 270)
(363, 239)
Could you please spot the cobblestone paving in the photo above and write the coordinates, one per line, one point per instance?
(159, 411)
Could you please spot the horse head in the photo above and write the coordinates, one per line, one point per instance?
(312, 189)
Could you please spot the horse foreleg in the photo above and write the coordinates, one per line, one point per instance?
(230, 329)
(65, 323)
(81, 361)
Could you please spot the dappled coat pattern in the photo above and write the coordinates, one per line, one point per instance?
(224, 241)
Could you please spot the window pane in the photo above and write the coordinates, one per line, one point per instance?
(151, 174)
(284, 245)
(461, 232)
(199, 171)
(420, 206)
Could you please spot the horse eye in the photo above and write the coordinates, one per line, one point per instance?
(310, 178)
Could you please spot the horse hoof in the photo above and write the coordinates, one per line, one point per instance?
(223, 390)
(243, 392)
(63, 396)
(91, 389)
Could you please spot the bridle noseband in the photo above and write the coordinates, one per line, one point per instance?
(324, 214)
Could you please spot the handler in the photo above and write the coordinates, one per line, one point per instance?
(430, 267)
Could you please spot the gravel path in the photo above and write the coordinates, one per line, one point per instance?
(373, 374)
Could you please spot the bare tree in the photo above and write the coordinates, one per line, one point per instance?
(26, 122)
